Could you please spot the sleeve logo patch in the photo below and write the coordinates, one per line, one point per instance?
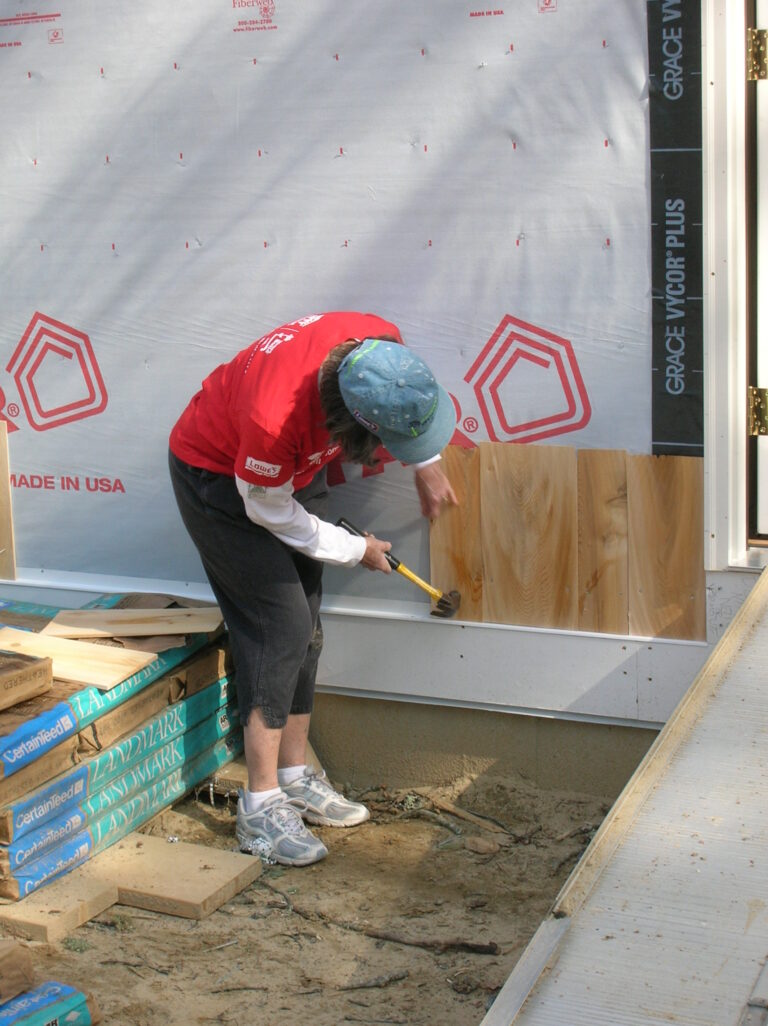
(259, 467)
(318, 457)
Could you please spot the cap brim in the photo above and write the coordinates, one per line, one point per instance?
(410, 449)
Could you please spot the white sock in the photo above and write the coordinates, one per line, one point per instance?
(254, 800)
(288, 774)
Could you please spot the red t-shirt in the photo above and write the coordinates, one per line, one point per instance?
(259, 416)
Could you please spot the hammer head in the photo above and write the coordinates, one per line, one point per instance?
(447, 605)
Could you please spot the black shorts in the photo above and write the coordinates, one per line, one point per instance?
(269, 594)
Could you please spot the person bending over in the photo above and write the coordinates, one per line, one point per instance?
(248, 461)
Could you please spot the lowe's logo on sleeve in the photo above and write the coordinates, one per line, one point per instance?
(259, 467)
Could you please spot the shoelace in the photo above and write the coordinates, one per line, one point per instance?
(288, 814)
(318, 781)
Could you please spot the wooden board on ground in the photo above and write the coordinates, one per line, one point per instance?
(180, 879)
(23, 677)
(529, 534)
(130, 623)
(455, 550)
(667, 597)
(17, 973)
(603, 520)
(7, 549)
(59, 908)
(102, 666)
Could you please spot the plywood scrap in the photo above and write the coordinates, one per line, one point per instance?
(58, 909)
(667, 586)
(127, 623)
(180, 879)
(456, 556)
(7, 547)
(102, 666)
(528, 522)
(603, 528)
(23, 677)
(16, 970)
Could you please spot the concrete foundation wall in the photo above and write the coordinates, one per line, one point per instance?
(367, 742)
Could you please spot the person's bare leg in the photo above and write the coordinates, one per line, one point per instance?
(293, 744)
(272, 827)
(262, 744)
(322, 803)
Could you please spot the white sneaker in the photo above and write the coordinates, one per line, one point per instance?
(321, 804)
(277, 833)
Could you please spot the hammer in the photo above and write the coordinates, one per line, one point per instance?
(446, 604)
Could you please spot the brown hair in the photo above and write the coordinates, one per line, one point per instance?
(358, 444)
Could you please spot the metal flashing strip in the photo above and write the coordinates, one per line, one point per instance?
(420, 614)
(506, 667)
(66, 581)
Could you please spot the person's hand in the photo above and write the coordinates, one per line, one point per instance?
(374, 558)
(433, 489)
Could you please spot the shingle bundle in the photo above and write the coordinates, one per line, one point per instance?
(80, 767)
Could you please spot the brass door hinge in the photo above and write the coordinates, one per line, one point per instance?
(758, 410)
(757, 54)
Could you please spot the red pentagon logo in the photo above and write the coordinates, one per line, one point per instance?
(528, 385)
(56, 374)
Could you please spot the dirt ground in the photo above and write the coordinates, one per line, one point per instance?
(417, 916)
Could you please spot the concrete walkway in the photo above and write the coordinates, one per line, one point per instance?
(665, 919)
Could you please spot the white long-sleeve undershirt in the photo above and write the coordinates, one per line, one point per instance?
(276, 510)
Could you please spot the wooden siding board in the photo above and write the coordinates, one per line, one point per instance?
(603, 527)
(529, 535)
(456, 556)
(667, 587)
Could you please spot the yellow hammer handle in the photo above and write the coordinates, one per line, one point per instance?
(436, 595)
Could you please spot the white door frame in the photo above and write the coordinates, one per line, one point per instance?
(760, 279)
(725, 276)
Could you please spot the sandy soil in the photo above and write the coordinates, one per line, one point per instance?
(417, 916)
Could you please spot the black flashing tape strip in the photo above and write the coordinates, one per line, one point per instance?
(674, 52)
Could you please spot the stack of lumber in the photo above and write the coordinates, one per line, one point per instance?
(24, 1004)
(114, 736)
